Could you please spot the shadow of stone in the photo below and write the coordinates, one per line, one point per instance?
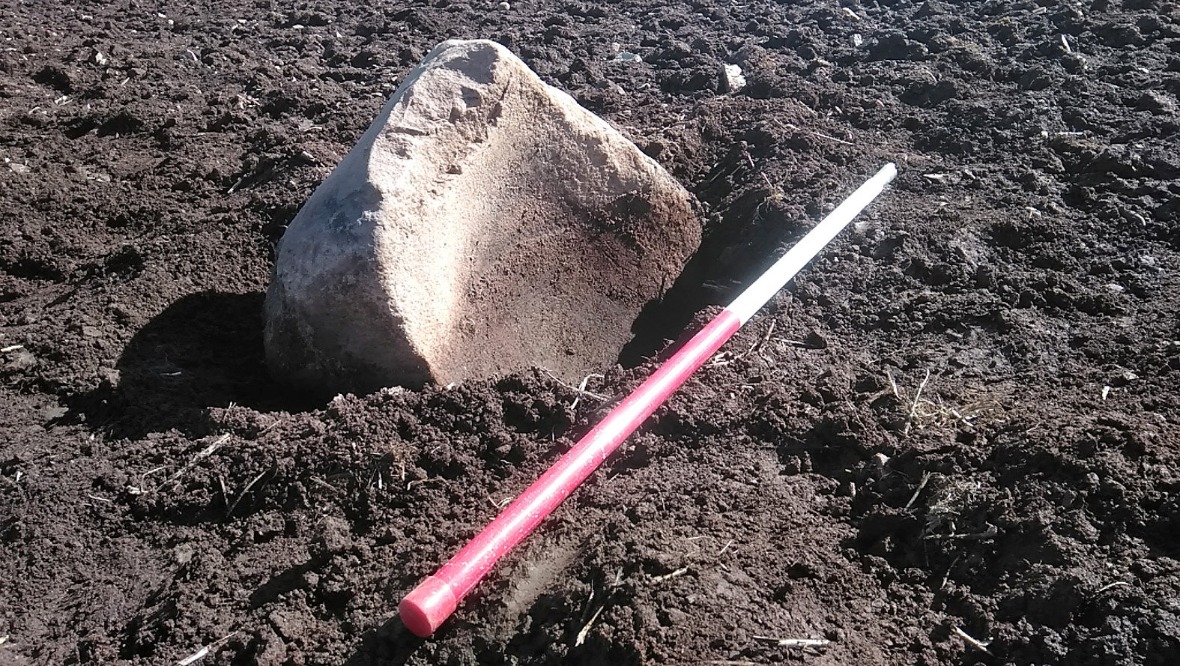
(205, 350)
(734, 252)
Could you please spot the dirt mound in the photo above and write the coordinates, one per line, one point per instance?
(960, 422)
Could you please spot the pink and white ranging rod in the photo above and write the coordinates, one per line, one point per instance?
(437, 597)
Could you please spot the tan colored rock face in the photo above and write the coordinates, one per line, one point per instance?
(485, 223)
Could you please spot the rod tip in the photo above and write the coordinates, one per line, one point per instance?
(427, 606)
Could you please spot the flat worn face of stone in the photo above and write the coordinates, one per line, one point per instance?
(484, 224)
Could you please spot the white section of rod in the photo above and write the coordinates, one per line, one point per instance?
(778, 275)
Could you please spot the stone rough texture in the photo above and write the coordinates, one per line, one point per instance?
(484, 223)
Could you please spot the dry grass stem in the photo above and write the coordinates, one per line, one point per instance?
(255, 480)
(580, 390)
(987, 533)
(924, 410)
(794, 642)
(914, 405)
(581, 638)
(204, 652)
(972, 641)
(727, 358)
(918, 491)
(201, 455)
(820, 135)
(679, 572)
(1117, 583)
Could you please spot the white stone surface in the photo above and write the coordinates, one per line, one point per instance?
(484, 223)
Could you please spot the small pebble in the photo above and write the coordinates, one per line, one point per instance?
(734, 79)
(183, 554)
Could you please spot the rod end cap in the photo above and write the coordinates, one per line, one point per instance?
(427, 606)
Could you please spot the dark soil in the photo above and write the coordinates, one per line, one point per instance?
(159, 494)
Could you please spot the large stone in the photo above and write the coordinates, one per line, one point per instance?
(484, 223)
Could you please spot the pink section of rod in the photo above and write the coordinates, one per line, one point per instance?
(429, 604)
